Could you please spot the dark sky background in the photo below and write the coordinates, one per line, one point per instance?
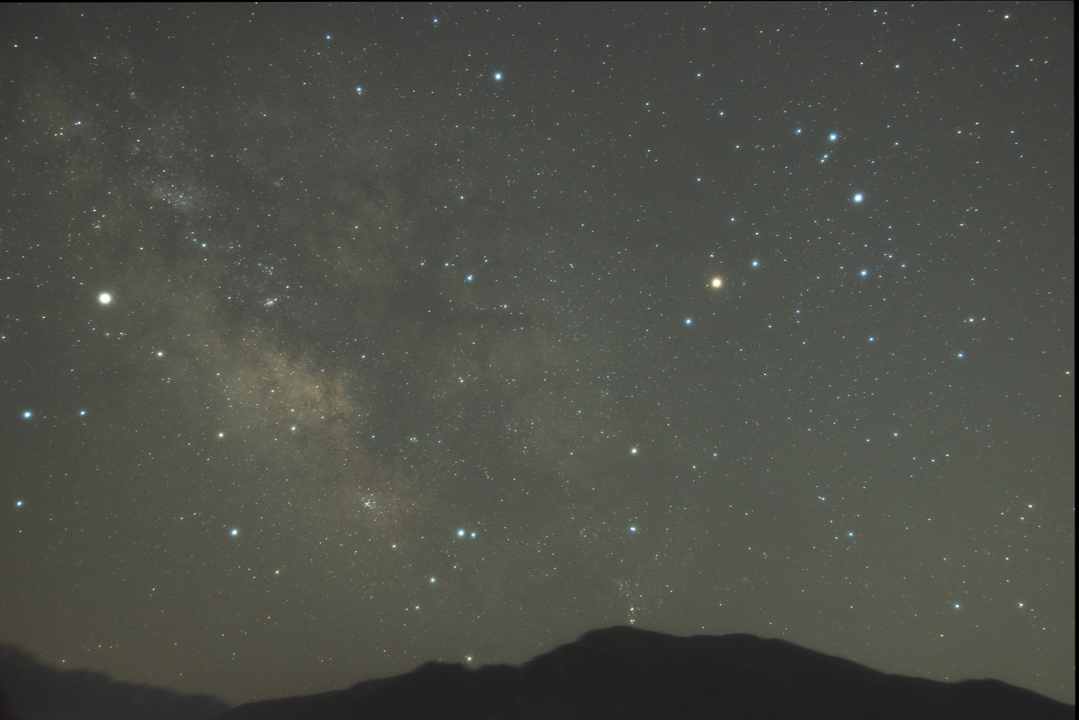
(338, 339)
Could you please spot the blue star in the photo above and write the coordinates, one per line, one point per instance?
(27, 414)
(498, 77)
(689, 321)
(857, 197)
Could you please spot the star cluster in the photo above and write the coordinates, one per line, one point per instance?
(338, 340)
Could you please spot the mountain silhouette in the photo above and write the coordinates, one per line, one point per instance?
(632, 674)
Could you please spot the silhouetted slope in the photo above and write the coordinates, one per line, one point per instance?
(38, 692)
(627, 673)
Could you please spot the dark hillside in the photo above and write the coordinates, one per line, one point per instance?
(627, 673)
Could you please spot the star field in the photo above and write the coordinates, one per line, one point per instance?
(337, 340)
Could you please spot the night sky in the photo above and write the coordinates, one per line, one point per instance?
(338, 339)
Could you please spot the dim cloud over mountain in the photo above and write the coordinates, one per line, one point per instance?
(32, 691)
